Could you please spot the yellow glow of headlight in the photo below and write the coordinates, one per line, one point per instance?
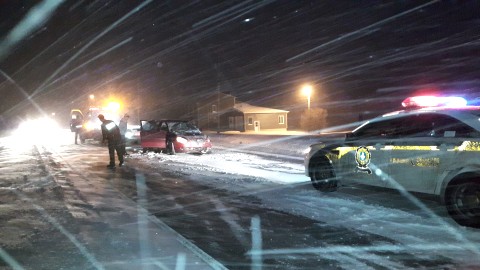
(113, 106)
(88, 125)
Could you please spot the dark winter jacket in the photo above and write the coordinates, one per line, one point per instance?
(110, 131)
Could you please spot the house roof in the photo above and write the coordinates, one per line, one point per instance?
(247, 108)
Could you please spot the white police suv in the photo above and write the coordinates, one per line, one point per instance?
(432, 147)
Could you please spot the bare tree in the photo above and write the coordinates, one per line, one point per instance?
(313, 119)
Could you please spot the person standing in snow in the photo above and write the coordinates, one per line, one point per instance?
(111, 133)
(122, 125)
(76, 125)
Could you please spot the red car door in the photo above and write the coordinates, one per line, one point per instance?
(152, 135)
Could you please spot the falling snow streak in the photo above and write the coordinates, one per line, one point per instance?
(89, 61)
(145, 250)
(348, 49)
(19, 88)
(91, 42)
(34, 19)
(256, 252)
(196, 34)
(90, 257)
(37, 59)
(222, 15)
(361, 32)
(407, 54)
(9, 260)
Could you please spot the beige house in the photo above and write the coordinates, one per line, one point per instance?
(222, 112)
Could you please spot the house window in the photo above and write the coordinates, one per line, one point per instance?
(281, 119)
(250, 120)
(214, 108)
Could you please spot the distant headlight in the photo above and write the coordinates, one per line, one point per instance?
(89, 125)
(182, 140)
(128, 134)
(45, 131)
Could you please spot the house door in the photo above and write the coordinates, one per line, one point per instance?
(231, 123)
(256, 125)
(239, 125)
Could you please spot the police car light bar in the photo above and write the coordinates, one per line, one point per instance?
(434, 101)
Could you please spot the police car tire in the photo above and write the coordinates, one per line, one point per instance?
(455, 199)
(322, 174)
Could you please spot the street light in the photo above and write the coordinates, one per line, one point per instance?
(91, 102)
(307, 91)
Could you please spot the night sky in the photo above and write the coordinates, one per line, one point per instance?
(160, 57)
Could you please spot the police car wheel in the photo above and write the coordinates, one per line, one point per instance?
(322, 175)
(463, 202)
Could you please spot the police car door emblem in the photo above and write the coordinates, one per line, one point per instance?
(362, 157)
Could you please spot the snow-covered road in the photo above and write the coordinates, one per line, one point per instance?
(276, 177)
(354, 228)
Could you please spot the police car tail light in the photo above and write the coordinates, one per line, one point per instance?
(434, 101)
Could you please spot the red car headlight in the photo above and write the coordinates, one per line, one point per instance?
(182, 140)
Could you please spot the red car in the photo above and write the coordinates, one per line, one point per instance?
(173, 136)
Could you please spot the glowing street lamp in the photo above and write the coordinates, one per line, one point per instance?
(91, 101)
(307, 91)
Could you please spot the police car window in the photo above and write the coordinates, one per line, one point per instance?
(380, 129)
(446, 126)
(415, 126)
(399, 127)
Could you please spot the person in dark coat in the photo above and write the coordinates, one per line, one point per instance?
(76, 126)
(111, 134)
(122, 125)
(170, 138)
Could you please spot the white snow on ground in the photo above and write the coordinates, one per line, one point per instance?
(232, 163)
(425, 234)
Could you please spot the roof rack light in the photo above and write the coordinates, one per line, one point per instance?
(434, 101)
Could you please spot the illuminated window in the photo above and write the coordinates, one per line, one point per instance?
(214, 108)
(281, 119)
